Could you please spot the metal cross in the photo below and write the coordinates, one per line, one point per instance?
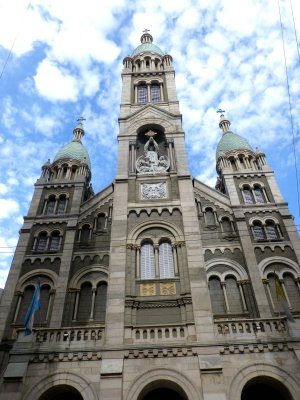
(146, 30)
(220, 111)
(81, 119)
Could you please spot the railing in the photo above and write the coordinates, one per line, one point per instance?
(274, 327)
(153, 334)
(72, 337)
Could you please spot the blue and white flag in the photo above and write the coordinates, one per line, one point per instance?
(34, 306)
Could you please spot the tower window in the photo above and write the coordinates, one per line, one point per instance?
(258, 231)
(209, 217)
(61, 205)
(271, 230)
(166, 266)
(247, 195)
(54, 242)
(142, 95)
(147, 261)
(101, 222)
(41, 242)
(155, 93)
(50, 205)
(259, 195)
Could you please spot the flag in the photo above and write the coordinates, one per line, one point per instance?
(282, 299)
(34, 306)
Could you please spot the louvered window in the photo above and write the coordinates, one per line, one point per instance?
(54, 242)
(247, 196)
(259, 195)
(271, 231)
(61, 205)
(50, 205)
(155, 93)
(258, 231)
(41, 242)
(166, 266)
(147, 261)
(142, 96)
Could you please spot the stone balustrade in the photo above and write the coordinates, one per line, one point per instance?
(248, 328)
(167, 333)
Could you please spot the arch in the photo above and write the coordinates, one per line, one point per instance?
(174, 230)
(260, 370)
(29, 276)
(75, 280)
(264, 264)
(169, 377)
(236, 269)
(76, 381)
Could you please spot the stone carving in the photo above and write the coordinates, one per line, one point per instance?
(147, 289)
(151, 163)
(167, 288)
(153, 190)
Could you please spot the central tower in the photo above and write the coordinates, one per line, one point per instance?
(156, 246)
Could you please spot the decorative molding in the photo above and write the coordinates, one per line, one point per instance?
(255, 348)
(167, 288)
(153, 191)
(147, 289)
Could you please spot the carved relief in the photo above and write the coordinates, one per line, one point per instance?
(153, 190)
(147, 289)
(167, 288)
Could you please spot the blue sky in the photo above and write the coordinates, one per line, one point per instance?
(66, 62)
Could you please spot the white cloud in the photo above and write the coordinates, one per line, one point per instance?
(3, 188)
(55, 83)
(8, 207)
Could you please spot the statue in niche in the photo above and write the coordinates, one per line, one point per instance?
(151, 163)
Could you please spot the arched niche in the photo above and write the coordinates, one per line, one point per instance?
(264, 387)
(61, 392)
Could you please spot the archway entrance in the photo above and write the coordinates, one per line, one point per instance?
(262, 388)
(162, 390)
(61, 392)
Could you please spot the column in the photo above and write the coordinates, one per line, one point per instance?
(149, 92)
(137, 266)
(20, 296)
(156, 258)
(223, 284)
(76, 305)
(161, 91)
(94, 290)
(240, 283)
(174, 248)
(266, 284)
(51, 295)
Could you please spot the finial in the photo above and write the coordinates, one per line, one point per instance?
(146, 30)
(78, 131)
(146, 37)
(224, 122)
(81, 119)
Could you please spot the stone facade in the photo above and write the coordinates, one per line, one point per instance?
(157, 286)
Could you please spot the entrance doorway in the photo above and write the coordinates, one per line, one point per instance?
(262, 388)
(61, 392)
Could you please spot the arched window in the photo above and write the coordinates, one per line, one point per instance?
(85, 302)
(41, 242)
(100, 302)
(216, 296)
(210, 217)
(54, 241)
(147, 261)
(25, 303)
(271, 230)
(50, 205)
(292, 290)
(226, 226)
(166, 266)
(44, 302)
(258, 231)
(142, 94)
(248, 198)
(101, 221)
(61, 207)
(259, 195)
(85, 234)
(155, 93)
(233, 295)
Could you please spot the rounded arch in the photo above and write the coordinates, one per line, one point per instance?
(261, 370)
(174, 229)
(287, 266)
(76, 280)
(234, 268)
(168, 377)
(163, 123)
(32, 276)
(76, 381)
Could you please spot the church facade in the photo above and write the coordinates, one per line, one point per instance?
(158, 286)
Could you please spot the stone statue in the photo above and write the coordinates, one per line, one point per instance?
(151, 163)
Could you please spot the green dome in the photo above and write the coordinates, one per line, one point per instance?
(74, 150)
(147, 47)
(232, 141)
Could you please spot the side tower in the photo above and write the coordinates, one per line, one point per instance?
(264, 224)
